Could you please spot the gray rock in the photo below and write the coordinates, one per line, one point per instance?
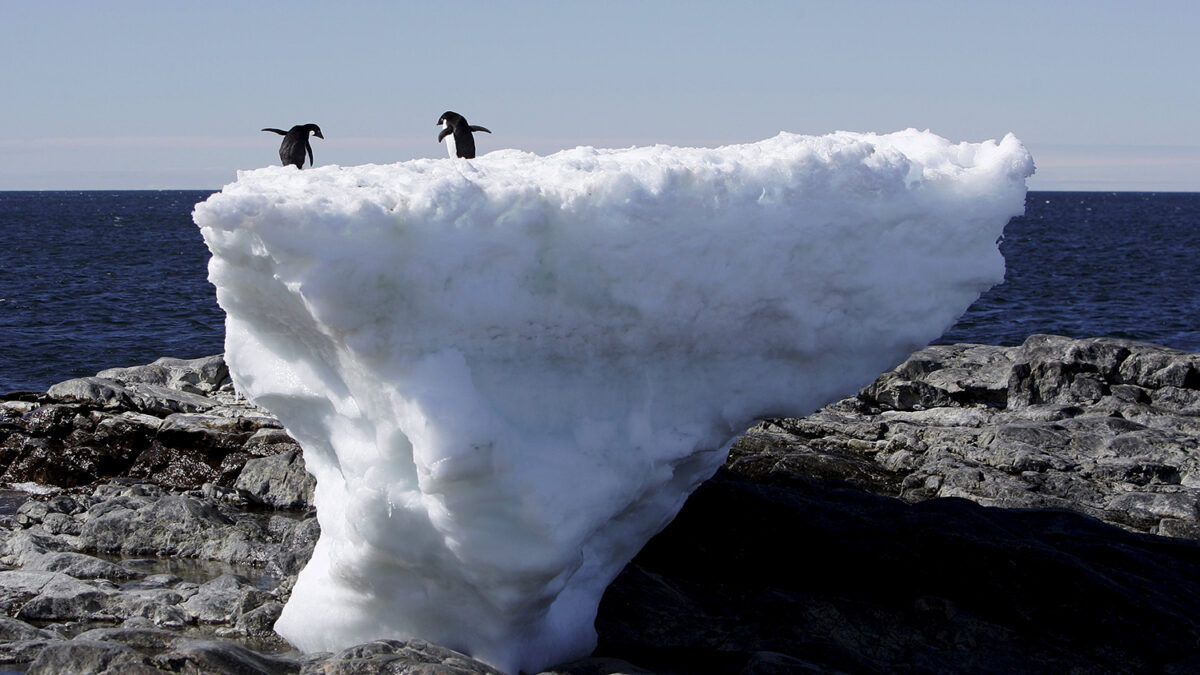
(89, 656)
(598, 666)
(142, 638)
(19, 586)
(213, 430)
(161, 608)
(174, 467)
(152, 582)
(18, 543)
(62, 598)
(1099, 426)
(203, 375)
(125, 426)
(208, 656)
(57, 420)
(98, 390)
(1155, 367)
(124, 494)
(279, 481)
(160, 400)
(172, 525)
(1107, 428)
(79, 566)
(295, 548)
(87, 430)
(144, 396)
(21, 652)
(149, 374)
(1149, 508)
(143, 520)
(14, 629)
(943, 375)
(31, 512)
(270, 441)
(197, 376)
(259, 621)
(60, 523)
(224, 599)
(10, 410)
(398, 657)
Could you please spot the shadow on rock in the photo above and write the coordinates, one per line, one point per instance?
(762, 578)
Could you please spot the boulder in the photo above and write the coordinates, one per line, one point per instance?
(135, 394)
(196, 376)
(224, 599)
(12, 630)
(210, 656)
(79, 566)
(98, 390)
(278, 481)
(295, 549)
(144, 638)
(259, 621)
(53, 596)
(207, 431)
(89, 656)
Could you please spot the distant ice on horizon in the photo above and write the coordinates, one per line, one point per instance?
(508, 373)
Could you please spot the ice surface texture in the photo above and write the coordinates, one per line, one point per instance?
(508, 373)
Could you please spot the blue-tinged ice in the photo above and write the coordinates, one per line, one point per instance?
(508, 373)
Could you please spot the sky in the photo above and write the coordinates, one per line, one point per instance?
(166, 95)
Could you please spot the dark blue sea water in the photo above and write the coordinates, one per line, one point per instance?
(1090, 264)
(92, 280)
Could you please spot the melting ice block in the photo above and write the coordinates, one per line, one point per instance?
(508, 373)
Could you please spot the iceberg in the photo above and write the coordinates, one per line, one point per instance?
(508, 373)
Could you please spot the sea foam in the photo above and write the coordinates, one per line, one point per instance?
(508, 373)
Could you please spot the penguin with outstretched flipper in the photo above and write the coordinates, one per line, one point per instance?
(295, 144)
(461, 143)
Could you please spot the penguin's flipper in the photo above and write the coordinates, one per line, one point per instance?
(479, 128)
(278, 131)
(444, 133)
(308, 147)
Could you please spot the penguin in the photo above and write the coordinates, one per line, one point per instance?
(295, 143)
(461, 143)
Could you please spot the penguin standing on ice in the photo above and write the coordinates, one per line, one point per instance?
(295, 144)
(461, 143)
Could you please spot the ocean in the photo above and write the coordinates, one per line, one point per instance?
(93, 280)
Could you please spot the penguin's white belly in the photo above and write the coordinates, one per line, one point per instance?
(450, 147)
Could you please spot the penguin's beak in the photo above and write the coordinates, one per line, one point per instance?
(318, 134)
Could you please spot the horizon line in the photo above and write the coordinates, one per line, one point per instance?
(218, 189)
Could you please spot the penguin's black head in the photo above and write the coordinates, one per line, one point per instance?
(316, 130)
(451, 119)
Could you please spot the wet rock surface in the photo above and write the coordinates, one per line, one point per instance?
(978, 508)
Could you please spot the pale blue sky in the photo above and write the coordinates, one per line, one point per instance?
(140, 95)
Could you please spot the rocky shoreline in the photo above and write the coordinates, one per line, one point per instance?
(977, 508)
